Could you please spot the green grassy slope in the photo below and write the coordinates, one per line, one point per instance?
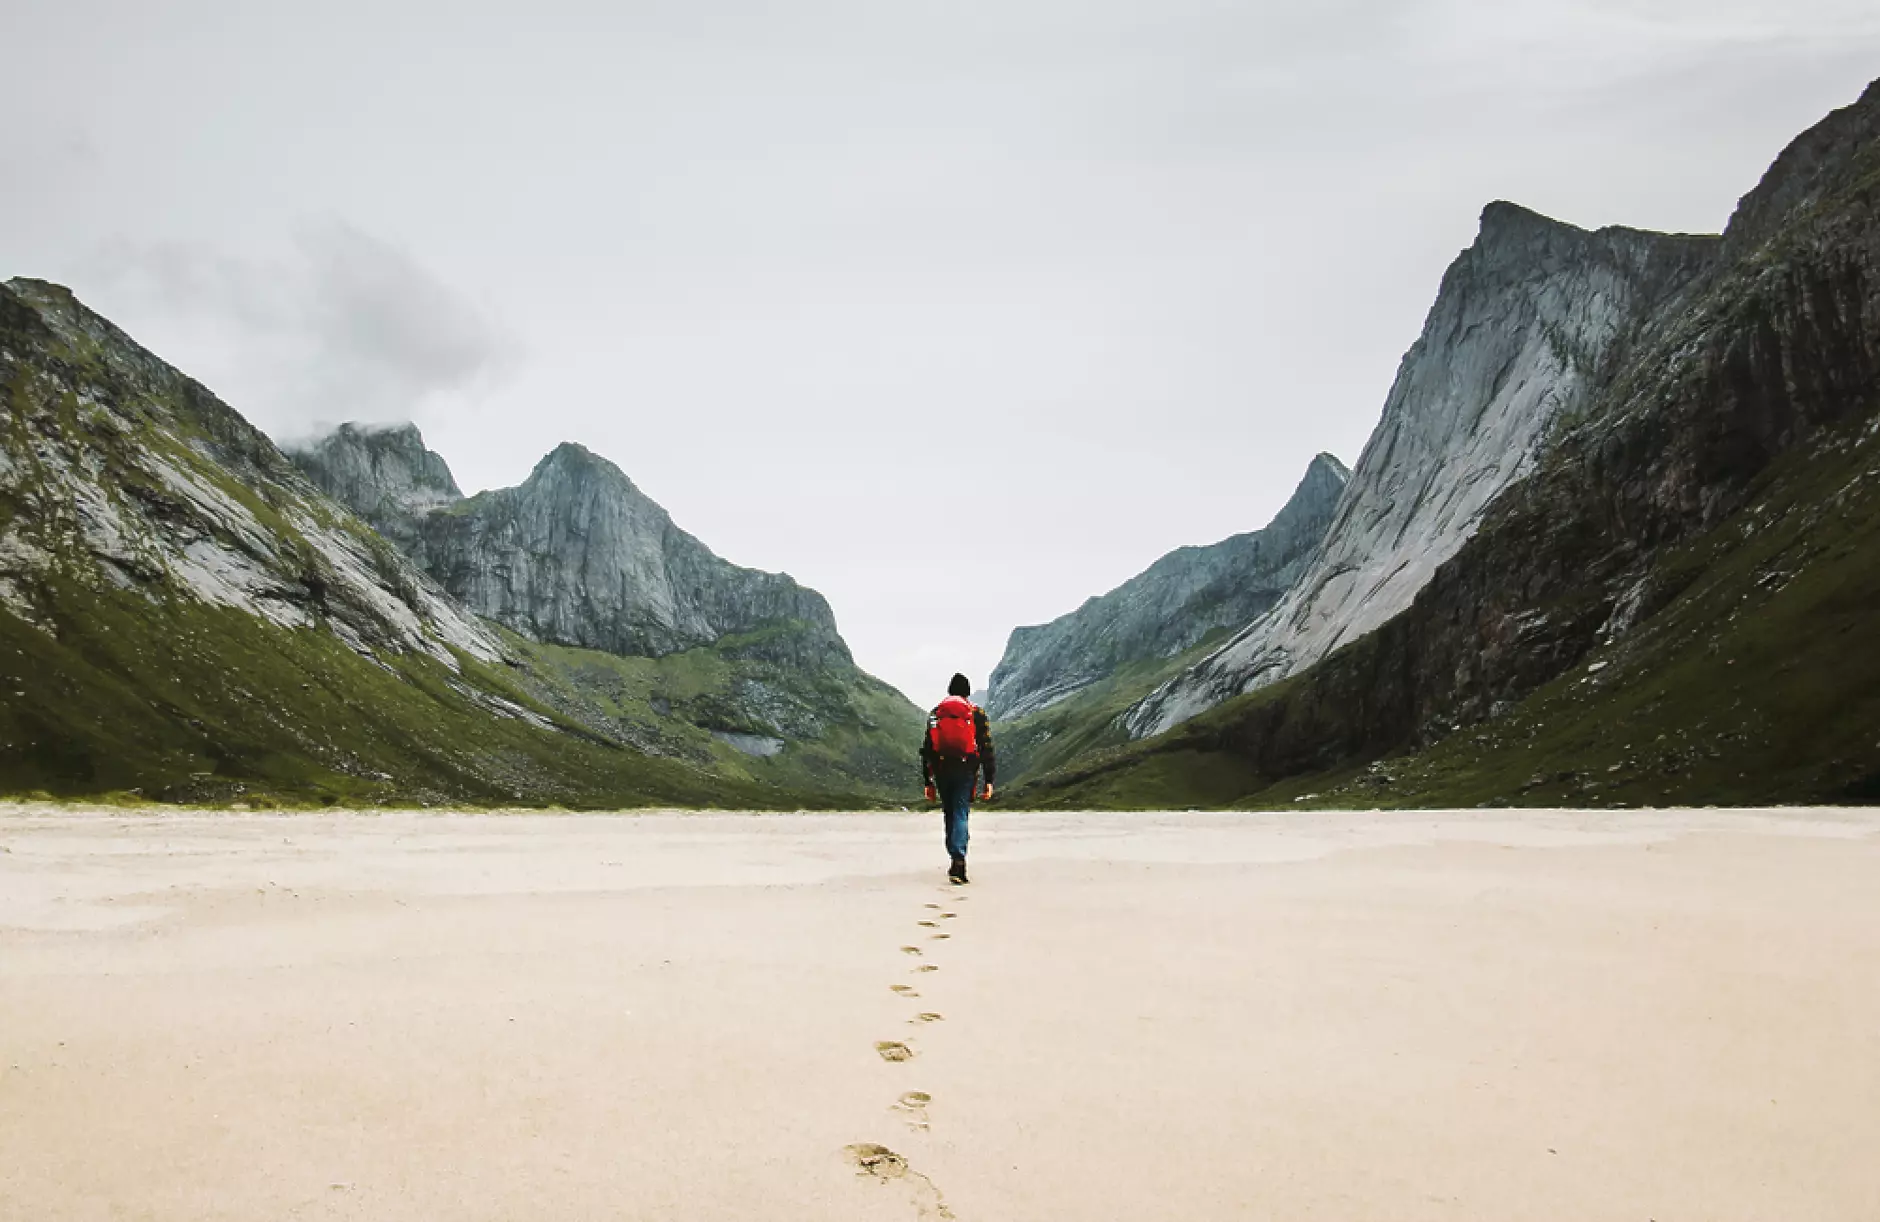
(184, 702)
(844, 730)
(1073, 728)
(1760, 683)
(1677, 605)
(118, 677)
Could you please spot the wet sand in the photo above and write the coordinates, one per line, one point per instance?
(1549, 1015)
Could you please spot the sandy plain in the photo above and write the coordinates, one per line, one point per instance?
(1544, 1015)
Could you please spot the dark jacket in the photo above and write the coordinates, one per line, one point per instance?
(985, 761)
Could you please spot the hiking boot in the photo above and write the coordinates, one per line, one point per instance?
(956, 873)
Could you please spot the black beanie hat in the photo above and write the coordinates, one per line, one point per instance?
(960, 686)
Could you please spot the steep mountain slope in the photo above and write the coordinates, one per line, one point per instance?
(183, 614)
(1707, 522)
(1169, 607)
(1527, 322)
(1090, 720)
(123, 473)
(575, 555)
(384, 474)
(578, 557)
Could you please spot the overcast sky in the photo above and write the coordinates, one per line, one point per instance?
(958, 312)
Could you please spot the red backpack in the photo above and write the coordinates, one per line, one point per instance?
(953, 736)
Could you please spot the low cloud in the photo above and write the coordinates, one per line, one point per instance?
(346, 326)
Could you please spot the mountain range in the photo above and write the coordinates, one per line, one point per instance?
(189, 614)
(1615, 539)
(1186, 597)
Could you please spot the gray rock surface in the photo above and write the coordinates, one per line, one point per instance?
(1526, 322)
(1706, 524)
(127, 474)
(385, 474)
(1170, 606)
(575, 555)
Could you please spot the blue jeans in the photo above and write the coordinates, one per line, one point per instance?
(956, 800)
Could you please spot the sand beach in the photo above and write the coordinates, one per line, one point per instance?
(1623, 1015)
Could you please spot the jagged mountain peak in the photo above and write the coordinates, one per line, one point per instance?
(1703, 519)
(1325, 477)
(1516, 241)
(1505, 221)
(1329, 461)
(1169, 607)
(572, 460)
(1809, 168)
(46, 294)
(1525, 322)
(186, 615)
(199, 508)
(383, 473)
(575, 555)
(55, 312)
(574, 454)
(399, 441)
(399, 436)
(1502, 219)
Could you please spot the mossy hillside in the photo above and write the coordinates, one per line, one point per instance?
(1755, 685)
(144, 684)
(1088, 721)
(843, 730)
(85, 402)
(1728, 412)
(178, 701)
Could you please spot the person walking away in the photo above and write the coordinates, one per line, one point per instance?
(953, 752)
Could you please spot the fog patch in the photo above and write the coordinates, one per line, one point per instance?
(345, 327)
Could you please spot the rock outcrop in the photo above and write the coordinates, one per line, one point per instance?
(1527, 322)
(574, 555)
(185, 616)
(1707, 521)
(1172, 605)
(120, 472)
(384, 473)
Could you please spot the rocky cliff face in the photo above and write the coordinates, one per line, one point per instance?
(575, 555)
(185, 616)
(1170, 606)
(385, 474)
(1707, 524)
(1527, 322)
(117, 472)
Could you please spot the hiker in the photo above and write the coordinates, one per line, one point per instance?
(957, 745)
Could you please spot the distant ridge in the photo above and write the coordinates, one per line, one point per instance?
(1526, 325)
(1171, 605)
(1615, 542)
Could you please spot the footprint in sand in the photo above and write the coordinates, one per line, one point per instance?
(890, 1050)
(935, 907)
(910, 950)
(928, 967)
(941, 937)
(928, 924)
(927, 1016)
(914, 1105)
(905, 990)
(878, 1161)
(947, 916)
(885, 1166)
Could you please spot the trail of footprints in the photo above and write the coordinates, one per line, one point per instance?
(879, 1162)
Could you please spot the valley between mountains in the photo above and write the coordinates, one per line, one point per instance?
(1615, 540)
